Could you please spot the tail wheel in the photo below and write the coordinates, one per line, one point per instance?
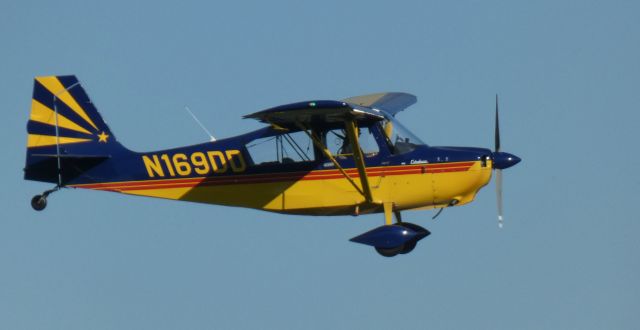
(39, 202)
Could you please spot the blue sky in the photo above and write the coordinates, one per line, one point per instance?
(567, 73)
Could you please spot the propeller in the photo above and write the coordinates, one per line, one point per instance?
(501, 160)
(497, 131)
(498, 171)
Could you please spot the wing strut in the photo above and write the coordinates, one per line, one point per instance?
(358, 159)
(325, 151)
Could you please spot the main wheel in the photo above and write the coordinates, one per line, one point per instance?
(408, 247)
(38, 202)
(390, 252)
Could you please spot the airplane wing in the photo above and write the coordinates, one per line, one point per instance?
(311, 113)
(391, 103)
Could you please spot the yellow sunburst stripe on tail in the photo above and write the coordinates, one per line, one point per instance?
(41, 113)
(56, 88)
(37, 140)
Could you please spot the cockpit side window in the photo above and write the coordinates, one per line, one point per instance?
(296, 147)
(287, 148)
(339, 145)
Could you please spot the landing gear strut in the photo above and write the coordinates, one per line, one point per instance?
(393, 238)
(39, 202)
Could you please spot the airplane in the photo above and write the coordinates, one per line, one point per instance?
(319, 157)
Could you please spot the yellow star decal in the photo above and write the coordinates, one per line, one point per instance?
(103, 137)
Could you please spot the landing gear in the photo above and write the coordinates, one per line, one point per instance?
(391, 252)
(394, 251)
(39, 202)
(408, 247)
(391, 240)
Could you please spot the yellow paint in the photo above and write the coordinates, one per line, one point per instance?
(388, 129)
(336, 195)
(102, 138)
(42, 114)
(268, 197)
(388, 211)
(166, 193)
(56, 88)
(327, 153)
(200, 164)
(183, 167)
(223, 162)
(181, 164)
(37, 140)
(358, 159)
(153, 166)
(236, 160)
(167, 162)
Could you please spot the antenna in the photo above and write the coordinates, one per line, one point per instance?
(212, 139)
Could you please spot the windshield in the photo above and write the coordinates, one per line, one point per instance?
(400, 139)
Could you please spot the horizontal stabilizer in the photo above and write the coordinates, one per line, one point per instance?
(71, 156)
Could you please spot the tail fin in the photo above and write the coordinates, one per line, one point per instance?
(65, 128)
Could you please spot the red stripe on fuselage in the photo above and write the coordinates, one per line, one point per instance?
(277, 177)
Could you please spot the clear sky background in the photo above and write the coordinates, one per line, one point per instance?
(567, 73)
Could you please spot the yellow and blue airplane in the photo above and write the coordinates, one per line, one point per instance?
(321, 157)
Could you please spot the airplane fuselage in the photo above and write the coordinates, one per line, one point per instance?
(224, 173)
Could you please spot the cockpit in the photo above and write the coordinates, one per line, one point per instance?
(400, 139)
(290, 146)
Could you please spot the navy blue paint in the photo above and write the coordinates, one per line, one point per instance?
(35, 127)
(316, 113)
(391, 236)
(502, 160)
(317, 104)
(42, 95)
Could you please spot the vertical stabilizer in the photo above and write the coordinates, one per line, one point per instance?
(65, 128)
